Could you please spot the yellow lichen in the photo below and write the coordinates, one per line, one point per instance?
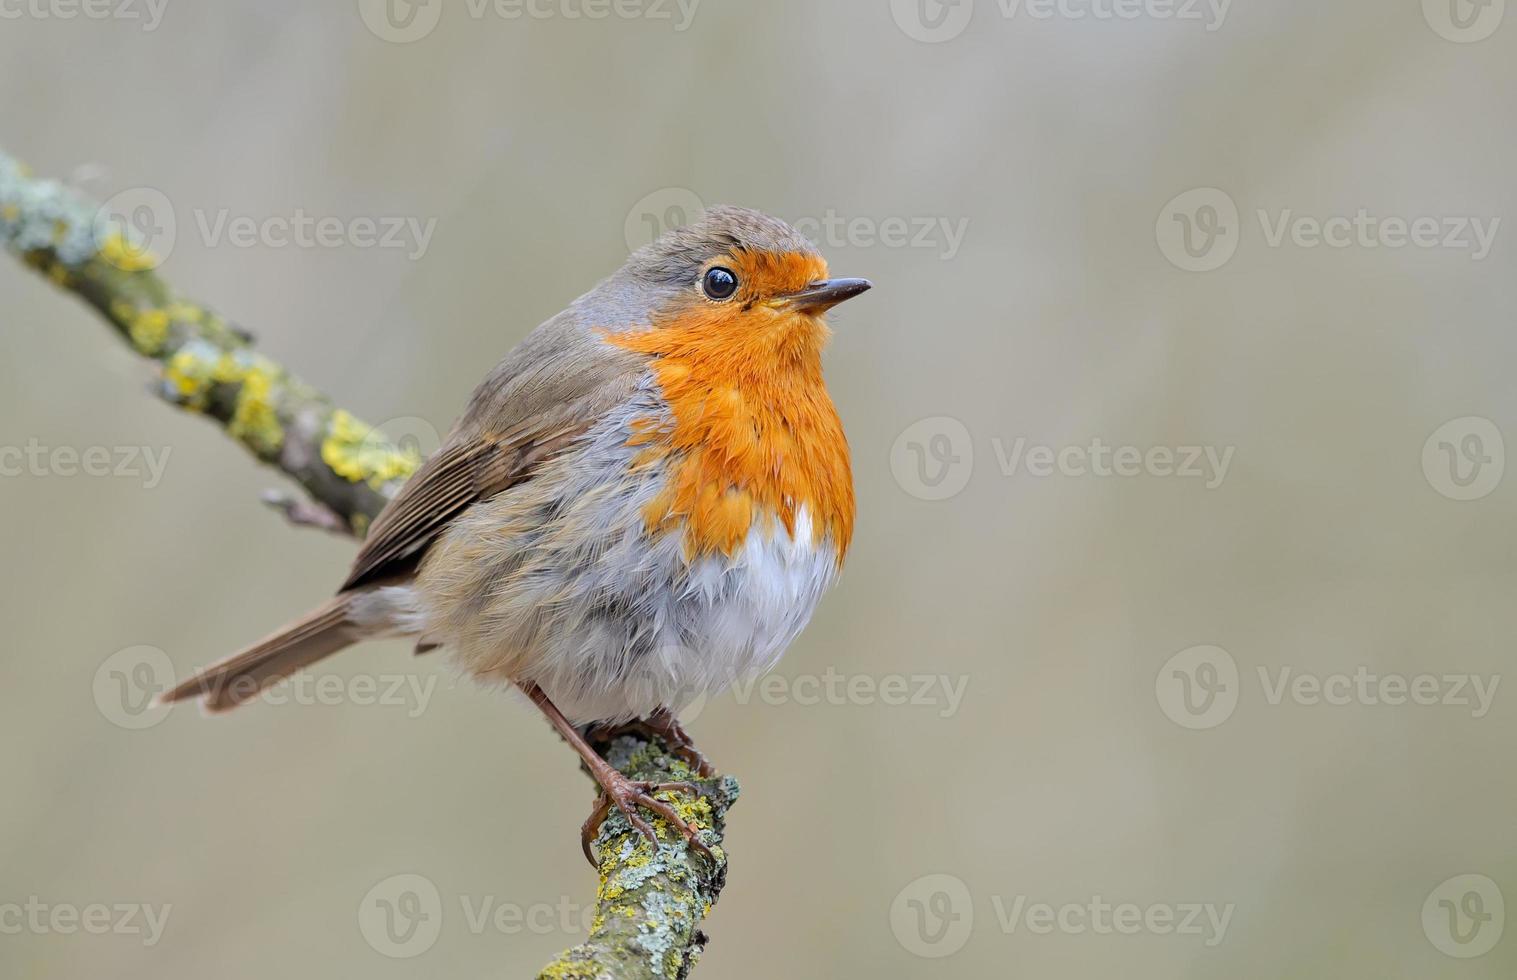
(361, 454)
(189, 378)
(127, 256)
(185, 313)
(255, 419)
(148, 330)
(567, 969)
(230, 369)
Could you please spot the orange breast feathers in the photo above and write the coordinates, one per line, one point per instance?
(754, 433)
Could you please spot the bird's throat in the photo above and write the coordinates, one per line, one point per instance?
(750, 438)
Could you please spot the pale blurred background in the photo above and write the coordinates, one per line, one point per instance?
(1040, 290)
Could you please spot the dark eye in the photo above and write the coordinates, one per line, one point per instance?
(719, 283)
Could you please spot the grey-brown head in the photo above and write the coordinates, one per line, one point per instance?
(731, 257)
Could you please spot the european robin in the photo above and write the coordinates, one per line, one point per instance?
(641, 504)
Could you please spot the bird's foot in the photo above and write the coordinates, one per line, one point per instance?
(629, 794)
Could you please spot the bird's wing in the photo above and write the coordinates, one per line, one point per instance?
(544, 396)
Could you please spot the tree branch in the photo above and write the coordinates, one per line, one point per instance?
(651, 901)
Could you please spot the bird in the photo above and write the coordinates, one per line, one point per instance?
(640, 505)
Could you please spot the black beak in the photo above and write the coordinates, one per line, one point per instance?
(824, 295)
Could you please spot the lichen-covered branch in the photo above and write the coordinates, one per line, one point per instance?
(206, 364)
(651, 901)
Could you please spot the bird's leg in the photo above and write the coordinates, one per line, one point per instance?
(626, 794)
(663, 725)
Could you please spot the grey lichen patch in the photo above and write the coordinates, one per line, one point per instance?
(39, 216)
(663, 933)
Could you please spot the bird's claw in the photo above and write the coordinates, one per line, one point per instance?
(627, 795)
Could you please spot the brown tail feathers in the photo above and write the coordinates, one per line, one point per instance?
(242, 676)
